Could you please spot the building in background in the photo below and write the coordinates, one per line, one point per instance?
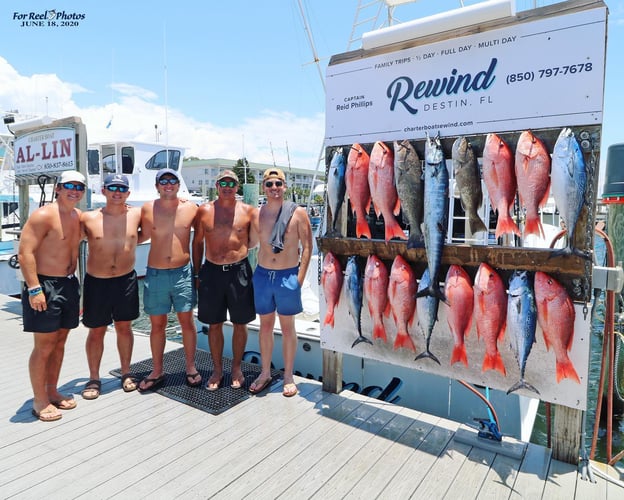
(200, 176)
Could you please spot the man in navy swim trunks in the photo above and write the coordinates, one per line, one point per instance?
(225, 230)
(283, 260)
(48, 255)
(168, 282)
(110, 288)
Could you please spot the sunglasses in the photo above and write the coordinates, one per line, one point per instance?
(172, 181)
(121, 189)
(72, 186)
(229, 184)
(269, 184)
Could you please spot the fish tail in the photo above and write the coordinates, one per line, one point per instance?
(493, 362)
(477, 225)
(361, 228)
(329, 318)
(427, 354)
(333, 233)
(393, 230)
(415, 240)
(433, 291)
(533, 226)
(506, 225)
(379, 332)
(565, 369)
(522, 384)
(361, 338)
(459, 354)
(404, 340)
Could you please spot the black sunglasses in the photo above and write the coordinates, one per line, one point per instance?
(121, 189)
(269, 184)
(229, 184)
(74, 186)
(164, 182)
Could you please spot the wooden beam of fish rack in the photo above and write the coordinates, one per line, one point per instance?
(567, 269)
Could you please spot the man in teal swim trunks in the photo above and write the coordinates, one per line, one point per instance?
(168, 282)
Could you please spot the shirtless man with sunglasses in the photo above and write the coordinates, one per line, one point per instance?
(48, 256)
(110, 289)
(168, 282)
(283, 261)
(225, 230)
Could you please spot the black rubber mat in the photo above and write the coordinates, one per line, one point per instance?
(175, 387)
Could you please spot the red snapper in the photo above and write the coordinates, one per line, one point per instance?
(555, 315)
(331, 281)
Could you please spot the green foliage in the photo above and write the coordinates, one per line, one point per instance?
(239, 170)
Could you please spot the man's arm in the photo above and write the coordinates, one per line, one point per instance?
(146, 222)
(32, 234)
(197, 245)
(254, 228)
(305, 238)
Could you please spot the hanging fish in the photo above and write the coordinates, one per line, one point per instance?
(458, 291)
(555, 315)
(490, 315)
(331, 281)
(500, 180)
(468, 183)
(357, 188)
(376, 281)
(410, 187)
(521, 323)
(383, 190)
(427, 312)
(402, 297)
(336, 189)
(532, 168)
(354, 283)
(436, 216)
(569, 179)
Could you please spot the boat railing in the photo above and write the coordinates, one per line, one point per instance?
(607, 365)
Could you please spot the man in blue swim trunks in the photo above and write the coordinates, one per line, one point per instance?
(225, 230)
(283, 260)
(48, 255)
(169, 278)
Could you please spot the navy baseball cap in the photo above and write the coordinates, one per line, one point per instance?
(116, 180)
(165, 171)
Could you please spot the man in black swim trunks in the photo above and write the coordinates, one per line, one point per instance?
(111, 292)
(48, 256)
(226, 229)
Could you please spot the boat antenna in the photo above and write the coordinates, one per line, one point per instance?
(272, 155)
(166, 92)
(290, 173)
(312, 47)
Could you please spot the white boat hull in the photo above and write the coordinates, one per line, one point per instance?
(399, 385)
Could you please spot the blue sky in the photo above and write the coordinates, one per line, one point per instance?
(225, 79)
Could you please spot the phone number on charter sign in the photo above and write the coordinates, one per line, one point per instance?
(529, 76)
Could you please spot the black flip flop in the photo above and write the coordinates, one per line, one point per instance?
(262, 387)
(155, 383)
(193, 376)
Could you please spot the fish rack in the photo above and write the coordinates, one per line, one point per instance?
(506, 254)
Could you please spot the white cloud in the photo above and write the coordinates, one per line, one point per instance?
(135, 115)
